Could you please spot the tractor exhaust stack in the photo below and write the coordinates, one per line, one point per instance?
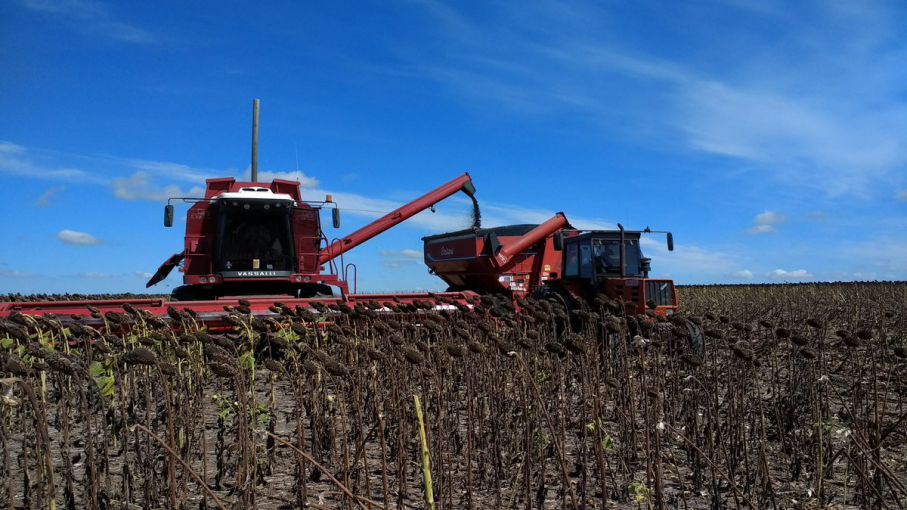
(255, 106)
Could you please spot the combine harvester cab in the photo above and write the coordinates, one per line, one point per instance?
(248, 238)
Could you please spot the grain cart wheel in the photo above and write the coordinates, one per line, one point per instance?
(558, 298)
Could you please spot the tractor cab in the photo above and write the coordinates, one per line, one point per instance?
(611, 261)
(599, 255)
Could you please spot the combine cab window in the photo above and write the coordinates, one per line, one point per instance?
(255, 239)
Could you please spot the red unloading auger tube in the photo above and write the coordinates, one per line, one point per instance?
(506, 252)
(339, 247)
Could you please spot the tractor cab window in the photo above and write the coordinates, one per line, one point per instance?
(571, 261)
(606, 253)
(254, 235)
(585, 260)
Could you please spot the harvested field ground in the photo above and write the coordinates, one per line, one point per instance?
(798, 399)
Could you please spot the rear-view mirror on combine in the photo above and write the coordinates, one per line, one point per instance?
(168, 215)
(670, 241)
(335, 215)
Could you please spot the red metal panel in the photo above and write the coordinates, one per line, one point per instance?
(522, 243)
(307, 238)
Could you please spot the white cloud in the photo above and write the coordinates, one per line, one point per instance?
(766, 222)
(19, 161)
(37, 163)
(139, 187)
(143, 275)
(12, 273)
(781, 274)
(93, 275)
(761, 229)
(92, 16)
(77, 238)
(373, 208)
(801, 140)
(177, 171)
(689, 263)
(305, 181)
(10, 148)
(743, 274)
(44, 199)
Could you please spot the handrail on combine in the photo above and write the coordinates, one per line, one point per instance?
(346, 271)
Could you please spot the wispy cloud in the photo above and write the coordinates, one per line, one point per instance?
(76, 238)
(400, 258)
(92, 16)
(127, 178)
(823, 111)
(139, 186)
(19, 161)
(690, 263)
(167, 169)
(13, 273)
(94, 275)
(44, 199)
(766, 222)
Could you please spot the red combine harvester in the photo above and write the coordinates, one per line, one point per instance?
(261, 244)
(249, 239)
(551, 260)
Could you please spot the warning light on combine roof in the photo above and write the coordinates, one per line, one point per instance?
(328, 199)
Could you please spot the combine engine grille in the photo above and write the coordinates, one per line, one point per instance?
(660, 291)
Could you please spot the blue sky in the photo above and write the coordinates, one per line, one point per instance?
(770, 137)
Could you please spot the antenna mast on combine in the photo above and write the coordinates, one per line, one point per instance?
(255, 106)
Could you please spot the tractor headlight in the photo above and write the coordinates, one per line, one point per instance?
(203, 280)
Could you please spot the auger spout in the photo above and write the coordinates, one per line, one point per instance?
(397, 216)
